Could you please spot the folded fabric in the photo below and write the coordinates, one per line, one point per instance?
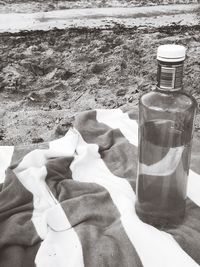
(71, 202)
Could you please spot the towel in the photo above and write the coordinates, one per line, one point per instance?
(71, 202)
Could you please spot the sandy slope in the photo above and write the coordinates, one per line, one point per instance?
(47, 77)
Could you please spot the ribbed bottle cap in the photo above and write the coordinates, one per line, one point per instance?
(171, 53)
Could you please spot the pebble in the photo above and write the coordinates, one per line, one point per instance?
(2, 135)
(54, 105)
(66, 75)
(121, 92)
(37, 140)
(61, 129)
(45, 109)
(130, 99)
(98, 68)
(123, 64)
(2, 112)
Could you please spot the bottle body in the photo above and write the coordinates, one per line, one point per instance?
(166, 121)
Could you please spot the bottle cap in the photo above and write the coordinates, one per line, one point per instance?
(171, 53)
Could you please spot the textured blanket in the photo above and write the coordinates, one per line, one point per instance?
(71, 202)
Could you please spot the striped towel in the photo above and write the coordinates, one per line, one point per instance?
(71, 202)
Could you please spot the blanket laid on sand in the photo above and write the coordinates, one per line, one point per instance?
(71, 202)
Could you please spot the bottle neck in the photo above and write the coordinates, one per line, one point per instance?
(170, 75)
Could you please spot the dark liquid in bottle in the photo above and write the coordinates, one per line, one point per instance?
(164, 158)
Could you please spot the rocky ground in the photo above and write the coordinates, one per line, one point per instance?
(47, 5)
(46, 78)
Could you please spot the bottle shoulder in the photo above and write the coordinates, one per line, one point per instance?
(169, 101)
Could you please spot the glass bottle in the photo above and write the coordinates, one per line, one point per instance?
(166, 123)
